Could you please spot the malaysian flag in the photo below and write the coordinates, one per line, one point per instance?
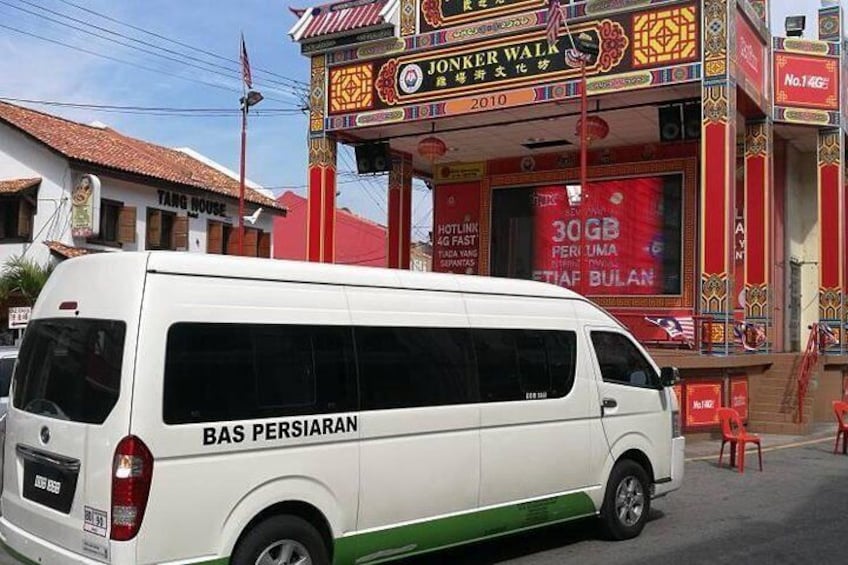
(751, 335)
(675, 327)
(245, 65)
(554, 21)
(826, 336)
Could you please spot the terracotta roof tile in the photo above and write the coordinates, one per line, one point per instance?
(107, 148)
(343, 16)
(12, 186)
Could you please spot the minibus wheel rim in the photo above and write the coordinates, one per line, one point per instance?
(629, 501)
(285, 552)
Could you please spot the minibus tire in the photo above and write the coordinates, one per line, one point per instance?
(278, 529)
(629, 477)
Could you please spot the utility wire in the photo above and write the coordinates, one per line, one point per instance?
(122, 61)
(155, 110)
(180, 43)
(228, 75)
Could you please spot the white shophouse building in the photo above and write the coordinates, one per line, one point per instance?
(150, 197)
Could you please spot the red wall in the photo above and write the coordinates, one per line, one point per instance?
(358, 241)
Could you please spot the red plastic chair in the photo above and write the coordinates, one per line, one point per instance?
(840, 408)
(733, 432)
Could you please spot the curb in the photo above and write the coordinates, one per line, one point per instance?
(765, 449)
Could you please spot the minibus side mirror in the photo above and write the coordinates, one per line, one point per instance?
(669, 376)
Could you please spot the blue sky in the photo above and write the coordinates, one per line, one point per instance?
(33, 68)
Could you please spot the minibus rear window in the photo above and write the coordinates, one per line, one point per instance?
(70, 369)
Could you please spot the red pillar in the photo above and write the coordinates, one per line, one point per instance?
(831, 193)
(321, 201)
(718, 168)
(758, 229)
(400, 211)
(321, 178)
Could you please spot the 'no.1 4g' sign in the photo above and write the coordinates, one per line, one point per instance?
(806, 81)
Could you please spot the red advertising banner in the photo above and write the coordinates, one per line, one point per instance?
(702, 403)
(739, 396)
(806, 81)
(750, 55)
(619, 232)
(456, 219)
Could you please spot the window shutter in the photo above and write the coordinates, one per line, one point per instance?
(265, 244)
(126, 224)
(181, 233)
(232, 242)
(251, 240)
(154, 228)
(24, 219)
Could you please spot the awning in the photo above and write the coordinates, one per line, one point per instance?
(68, 251)
(14, 186)
(341, 17)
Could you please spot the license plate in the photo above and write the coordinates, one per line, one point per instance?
(49, 486)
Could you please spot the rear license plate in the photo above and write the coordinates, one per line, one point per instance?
(49, 486)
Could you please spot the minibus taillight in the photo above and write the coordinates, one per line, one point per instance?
(132, 471)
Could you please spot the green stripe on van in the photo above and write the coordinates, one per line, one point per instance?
(20, 558)
(374, 547)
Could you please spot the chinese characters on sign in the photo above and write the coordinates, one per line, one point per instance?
(437, 14)
(19, 317)
(85, 203)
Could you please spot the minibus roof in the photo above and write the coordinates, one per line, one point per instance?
(204, 265)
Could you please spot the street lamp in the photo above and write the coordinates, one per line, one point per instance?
(587, 50)
(252, 98)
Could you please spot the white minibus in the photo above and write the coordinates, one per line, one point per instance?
(185, 408)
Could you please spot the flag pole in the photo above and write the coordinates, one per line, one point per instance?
(584, 155)
(242, 50)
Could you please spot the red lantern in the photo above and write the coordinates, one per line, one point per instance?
(596, 128)
(431, 148)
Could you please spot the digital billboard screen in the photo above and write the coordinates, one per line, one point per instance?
(628, 234)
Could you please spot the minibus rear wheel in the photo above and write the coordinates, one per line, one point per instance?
(286, 540)
(627, 501)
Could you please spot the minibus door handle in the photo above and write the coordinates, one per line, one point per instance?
(608, 403)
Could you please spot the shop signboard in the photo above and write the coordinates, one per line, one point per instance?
(751, 59)
(456, 221)
(806, 81)
(447, 73)
(739, 396)
(85, 207)
(437, 14)
(459, 172)
(703, 399)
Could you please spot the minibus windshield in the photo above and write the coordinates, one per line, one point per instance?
(70, 369)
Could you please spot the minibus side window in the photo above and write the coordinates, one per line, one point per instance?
(621, 362)
(524, 364)
(410, 367)
(220, 372)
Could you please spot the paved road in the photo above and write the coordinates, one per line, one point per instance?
(793, 513)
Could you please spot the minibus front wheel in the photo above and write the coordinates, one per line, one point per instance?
(627, 501)
(282, 540)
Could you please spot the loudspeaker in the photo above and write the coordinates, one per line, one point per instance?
(671, 122)
(373, 158)
(692, 120)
